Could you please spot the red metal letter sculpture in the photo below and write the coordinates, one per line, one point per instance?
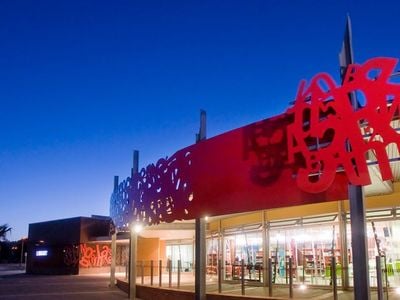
(252, 167)
(331, 132)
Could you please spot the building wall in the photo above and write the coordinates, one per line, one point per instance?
(148, 250)
(62, 246)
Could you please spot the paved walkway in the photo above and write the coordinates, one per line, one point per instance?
(15, 286)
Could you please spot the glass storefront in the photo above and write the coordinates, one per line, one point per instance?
(310, 242)
(182, 252)
(310, 246)
(244, 245)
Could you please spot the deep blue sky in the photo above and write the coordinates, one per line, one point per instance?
(83, 83)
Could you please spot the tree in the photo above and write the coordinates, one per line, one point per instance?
(3, 231)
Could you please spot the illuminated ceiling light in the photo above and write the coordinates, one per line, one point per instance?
(206, 218)
(303, 287)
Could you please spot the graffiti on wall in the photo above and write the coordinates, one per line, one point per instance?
(88, 255)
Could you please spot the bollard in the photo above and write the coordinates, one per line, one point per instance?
(179, 273)
(169, 264)
(160, 273)
(151, 272)
(290, 278)
(334, 281)
(142, 271)
(379, 277)
(219, 276)
(270, 277)
(242, 278)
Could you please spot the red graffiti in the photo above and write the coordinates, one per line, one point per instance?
(96, 256)
(332, 132)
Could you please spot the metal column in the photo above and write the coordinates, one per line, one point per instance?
(200, 271)
(356, 195)
(200, 242)
(133, 240)
(132, 265)
(343, 245)
(359, 243)
(113, 241)
(113, 258)
(265, 241)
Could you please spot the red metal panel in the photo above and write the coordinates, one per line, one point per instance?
(287, 160)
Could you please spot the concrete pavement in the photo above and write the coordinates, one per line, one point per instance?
(22, 286)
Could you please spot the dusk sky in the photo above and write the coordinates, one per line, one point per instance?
(83, 83)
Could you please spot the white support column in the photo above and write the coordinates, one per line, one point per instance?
(132, 265)
(200, 250)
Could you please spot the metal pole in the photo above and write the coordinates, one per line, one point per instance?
(356, 195)
(160, 273)
(343, 245)
(242, 277)
(179, 273)
(169, 264)
(334, 281)
(270, 277)
(132, 270)
(200, 271)
(151, 272)
(379, 277)
(290, 278)
(265, 241)
(113, 258)
(359, 243)
(221, 250)
(219, 276)
(142, 271)
(200, 234)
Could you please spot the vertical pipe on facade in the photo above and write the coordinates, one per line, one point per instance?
(200, 236)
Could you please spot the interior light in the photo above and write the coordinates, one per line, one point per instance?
(303, 287)
(42, 252)
(206, 218)
(397, 291)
